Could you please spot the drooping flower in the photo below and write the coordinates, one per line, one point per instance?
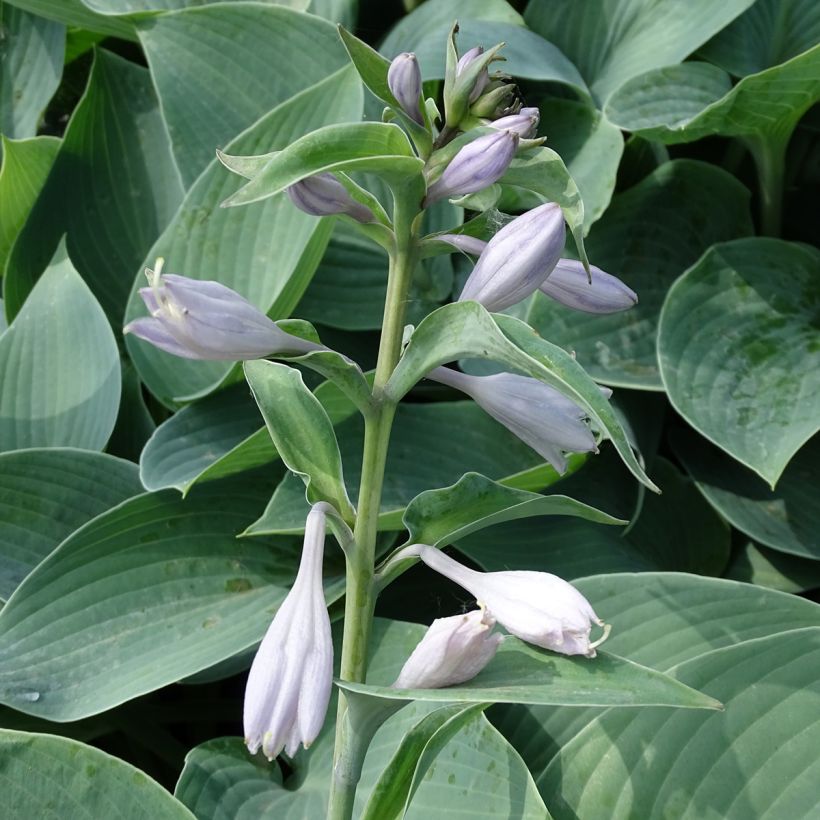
(478, 164)
(538, 607)
(538, 414)
(524, 123)
(205, 320)
(290, 680)
(570, 285)
(518, 259)
(453, 650)
(404, 81)
(324, 195)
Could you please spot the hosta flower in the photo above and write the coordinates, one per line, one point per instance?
(206, 320)
(289, 684)
(404, 81)
(538, 607)
(468, 244)
(570, 285)
(483, 78)
(453, 650)
(538, 414)
(524, 123)
(324, 195)
(478, 164)
(518, 259)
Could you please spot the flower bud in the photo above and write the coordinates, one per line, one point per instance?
(570, 285)
(494, 102)
(324, 195)
(536, 413)
(524, 123)
(453, 650)
(404, 81)
(483, 79)
(468, 244)
(538, 607)
(517, 259)
(477, 165)
(205, 320)
(289, 684)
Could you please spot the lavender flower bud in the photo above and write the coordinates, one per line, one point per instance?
(289, 684)
(483, 78)
(569, 285)
(404, 81)
(524, 123)
(536, 413)
(468, 244)
(324, 195)
(477, 165)
(517, 259)
(538, 607)
(205, 320)
(497, 100)
(453, 650)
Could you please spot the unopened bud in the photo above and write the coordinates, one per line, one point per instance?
(468, 244)
(477, 165)
(495, 101)
(570, 285)
(404, 81)
(324, 195)
(524, 123)
(483, 79)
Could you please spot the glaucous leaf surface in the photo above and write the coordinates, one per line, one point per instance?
(115, 141)
(786, 519)
(758, 758)
(41, 772)
(739, 349)
(75, 13)
(145, 594)
(255, 55)
(59, 368)
(770, 32)
(754, 564)
(265, 252)
(31, 53)
(647, 238)
(611, 41)
(46, 495)
(659, 619)
(129, 7)
(24, 168)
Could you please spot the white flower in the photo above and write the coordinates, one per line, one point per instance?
(291, 677)
(537, 607)
(453, 650)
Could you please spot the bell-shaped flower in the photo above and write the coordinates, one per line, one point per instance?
(536, 413)
(289, 684)
(324, 195)
(478, 164)
(206, 320)
(404, 81)
(518, 259)
(538, 607)
(524, 123)
(453, 650)
(570, 285)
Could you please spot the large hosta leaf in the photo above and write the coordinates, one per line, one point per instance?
(75, 13)
(59, 367)
(613, 40)
(275, 258)
(31, 53)
(774, 569)
(648, 237)
(739, 349)
(112, 189)
(758, 759)
(145, 594)
(49, 493)
(41, 772)
(239, 59)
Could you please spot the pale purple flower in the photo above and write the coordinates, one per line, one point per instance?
(468, 244)
(518, 259)
(483, 79)
(289, 684)
(570, 285)
(478, 164)
(205, 320)
(324, 195)
(404, 81)
(536, 413)
(538, 607)
(524, 123)
(453, 650)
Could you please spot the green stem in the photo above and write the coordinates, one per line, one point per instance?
(351, 745)
(770, 158)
